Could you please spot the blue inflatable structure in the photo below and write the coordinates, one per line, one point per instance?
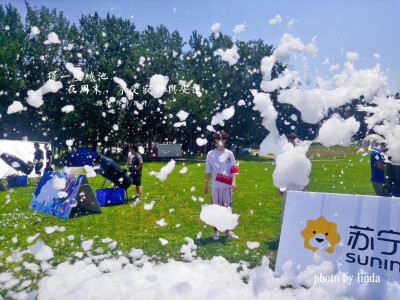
(83, 156)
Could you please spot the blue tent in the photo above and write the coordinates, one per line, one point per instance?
(83, 156)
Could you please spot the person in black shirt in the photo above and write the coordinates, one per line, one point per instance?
(38, 160)
(49, 158)
(135, 168)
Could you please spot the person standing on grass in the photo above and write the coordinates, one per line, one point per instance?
(221, 163)
(378, 169)
(135, 168)
(49, 158)
(129, 157)
(38, 159)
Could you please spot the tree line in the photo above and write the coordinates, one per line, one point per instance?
(108, 47)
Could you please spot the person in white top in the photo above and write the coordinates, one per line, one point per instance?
(221, 163)
(129, 159)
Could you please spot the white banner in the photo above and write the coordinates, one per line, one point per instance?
(359, 234)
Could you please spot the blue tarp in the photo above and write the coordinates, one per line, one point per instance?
(83, 156)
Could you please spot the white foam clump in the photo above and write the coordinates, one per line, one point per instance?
(112, 264)
(292, 167)
(183, 170)
(31, 239)
(76, 71)
(383, 118)
(113, 245)
(35, 30)
(210, 128)
(231, 56)
(252, 245)
(179, 124)
(136, 253)
(62, 194)
(165, 171)
(337, 131)
(67, 109)
(226, 114)
(350, 84)
(51, 86)
(52, 38)
(174, 280)
(282, 54)
(241, 102)
(195, 280)
(41, 251)
(87, 245)
(90, 172)
(263, 104)
(124, 87)
(149, 206)
(314, 104)
(158, 85)
(188, 251)
(218, 216)
(182, 115)
(163, 241)
(69, 142)
(276, 20)
(51, 229)
(289, 78)
(35, 98)
(15, 107)
(15, 164)
(239, 28)
(161, 222)
(201, 142)
(106, 240)
(197, 91)
(59, 183)
(215, 27)
(34, 268)
(115, 127)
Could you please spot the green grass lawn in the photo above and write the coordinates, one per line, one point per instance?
(256, 200)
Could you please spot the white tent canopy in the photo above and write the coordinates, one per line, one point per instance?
(21, 149)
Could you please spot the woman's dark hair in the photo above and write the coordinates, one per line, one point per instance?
(291, 136)
(220, 133)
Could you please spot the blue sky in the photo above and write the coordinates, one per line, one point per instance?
(366, 27)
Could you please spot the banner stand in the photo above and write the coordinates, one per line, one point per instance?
(75, 199)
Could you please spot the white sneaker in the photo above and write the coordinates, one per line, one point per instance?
(231, 234)
(216, 236)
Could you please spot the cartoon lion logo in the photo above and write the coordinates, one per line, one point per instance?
(321, 234)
